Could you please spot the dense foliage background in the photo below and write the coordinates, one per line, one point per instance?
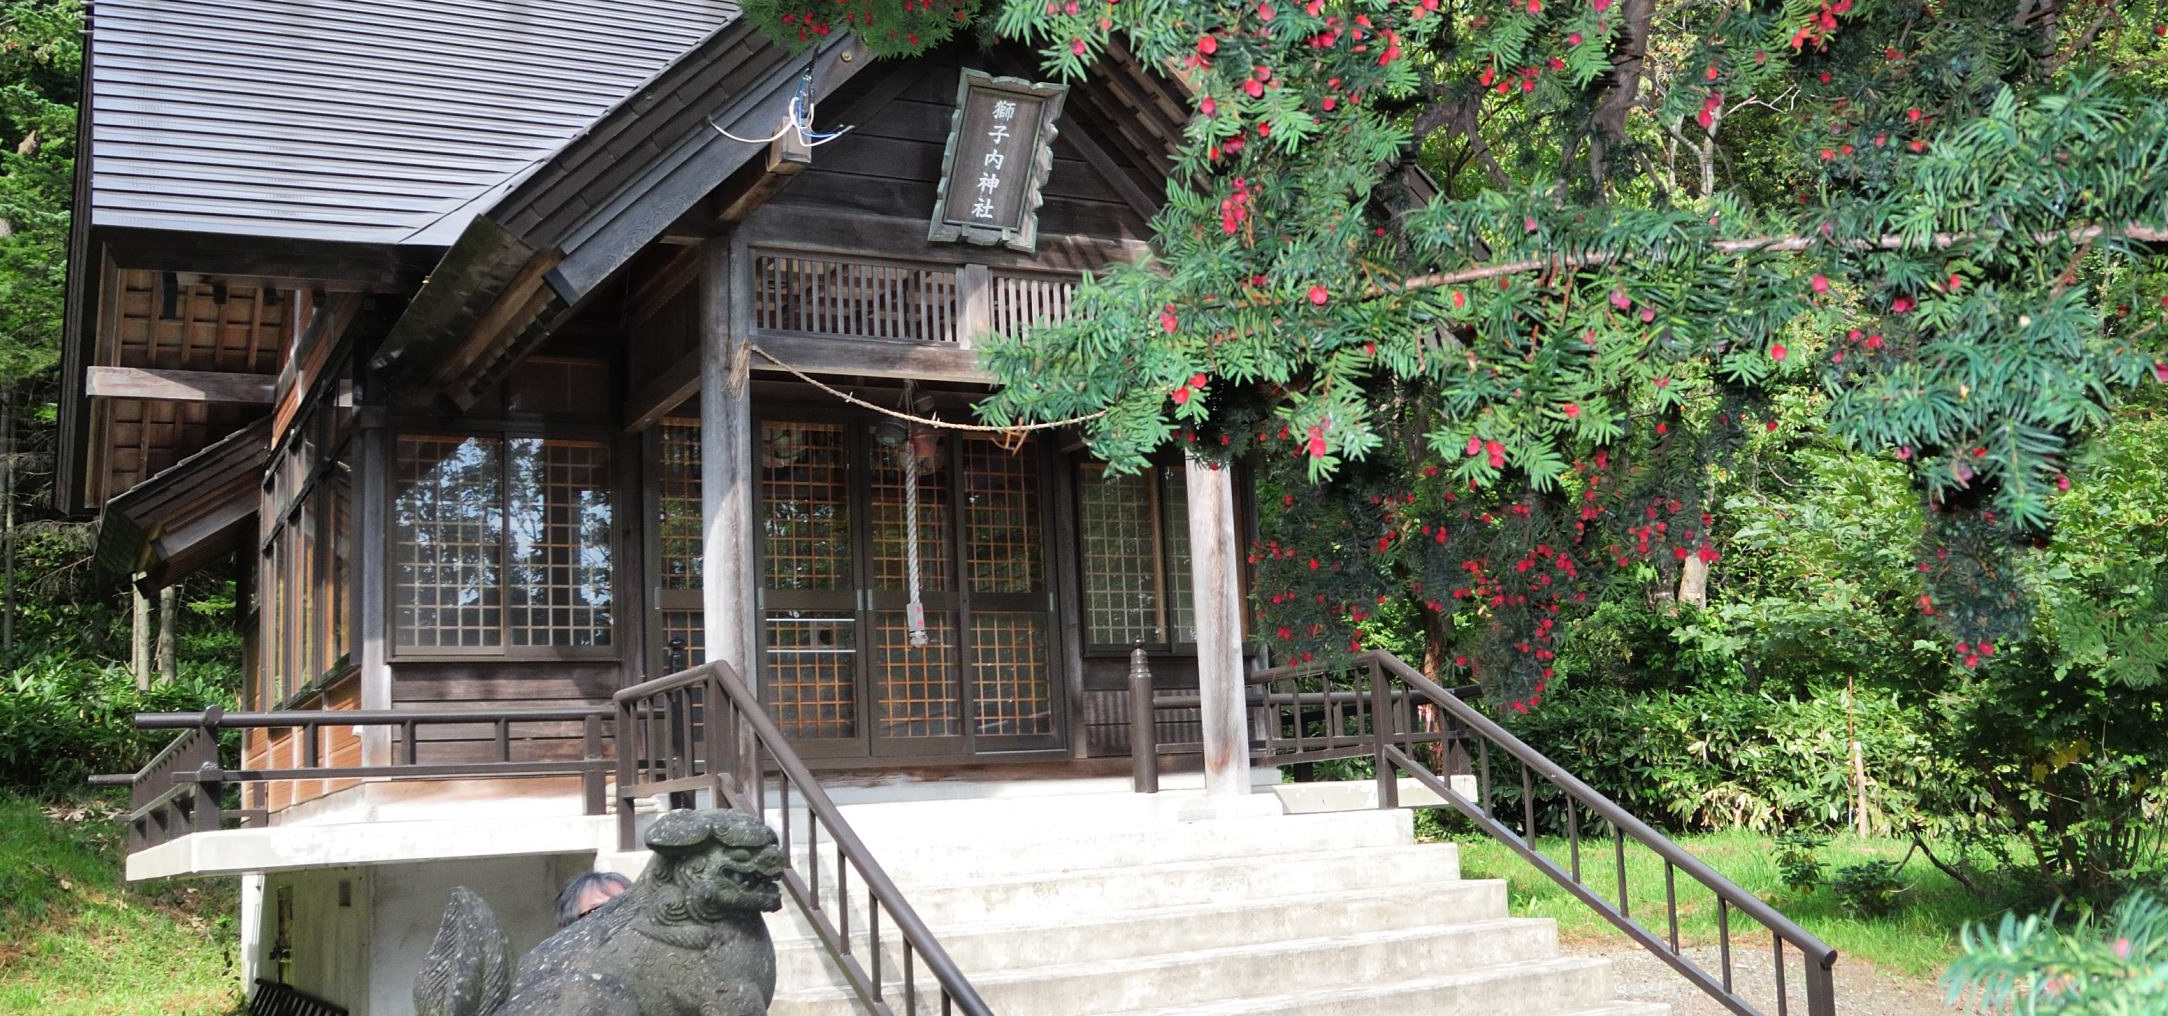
(1705, 379)
(65, 693)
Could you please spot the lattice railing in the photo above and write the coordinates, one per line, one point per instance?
(1019, 301)
(855, 299)
(898, 301)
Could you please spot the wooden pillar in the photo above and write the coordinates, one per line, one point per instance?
(1216, 576)
(372, 570)
(726, 460)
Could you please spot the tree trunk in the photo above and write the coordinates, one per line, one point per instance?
(1625, 89)
(169, 605)
(1694, 582)
(7, 528)
(139, 638)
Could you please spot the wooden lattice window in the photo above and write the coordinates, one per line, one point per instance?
(1009, 685)
(501, 544)
(858, 299)
(558, 591)
(925, 453)
(1003, 543)
(687, 625)
(1134, 536)
(917, 694)
(812, 668)
(805, 514)
(678, 486)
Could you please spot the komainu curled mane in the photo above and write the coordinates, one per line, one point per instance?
(686, 940)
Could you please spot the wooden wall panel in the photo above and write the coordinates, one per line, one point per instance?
(490, 685)
(283, 749)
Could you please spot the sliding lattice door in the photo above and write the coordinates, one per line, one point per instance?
(839, 666)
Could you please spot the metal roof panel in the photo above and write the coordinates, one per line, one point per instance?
(366, 120)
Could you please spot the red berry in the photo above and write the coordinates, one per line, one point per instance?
(1318, 295)
(1777, 352)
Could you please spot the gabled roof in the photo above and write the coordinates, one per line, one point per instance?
(526, 260)
(372, 121)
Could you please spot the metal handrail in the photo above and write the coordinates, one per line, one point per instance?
(721, 738)
(1393, 730)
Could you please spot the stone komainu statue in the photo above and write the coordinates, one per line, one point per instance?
(686, 940)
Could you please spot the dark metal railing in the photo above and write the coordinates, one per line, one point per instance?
(1379, 707)
(178, 791)
(1293, 720)
(704, 729)
(186, 800)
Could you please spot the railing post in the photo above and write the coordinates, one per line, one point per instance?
(1143, 730)
(716, 715)
(591, 779)
(623, 746)
(207, 801)
(1821, 989)
(1381, 714)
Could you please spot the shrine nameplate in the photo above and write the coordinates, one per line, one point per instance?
(1000, 149)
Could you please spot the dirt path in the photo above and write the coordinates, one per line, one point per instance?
(1861, 989)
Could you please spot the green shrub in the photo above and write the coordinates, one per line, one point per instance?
(1868, 889)
(1716, 758)
(63, 719)
(1797, 862)
(2068, 728)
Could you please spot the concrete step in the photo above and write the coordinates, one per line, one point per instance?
(988, 949)
(1245, 970)
(933, 854)
(938, 839)
(1537, 987)
(1055, 899)
(1039, 818)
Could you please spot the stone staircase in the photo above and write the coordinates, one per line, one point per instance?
(1127, 905)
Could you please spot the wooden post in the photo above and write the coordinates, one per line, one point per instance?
(1143, 727)
(1216, 577)
(169, 609)
(139, 636)
(726, 463)
(372, 571)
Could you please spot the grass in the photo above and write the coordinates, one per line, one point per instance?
(74, 941)
(1917, 938)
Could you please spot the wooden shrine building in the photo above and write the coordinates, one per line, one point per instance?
(445, 346)
(526, 354)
